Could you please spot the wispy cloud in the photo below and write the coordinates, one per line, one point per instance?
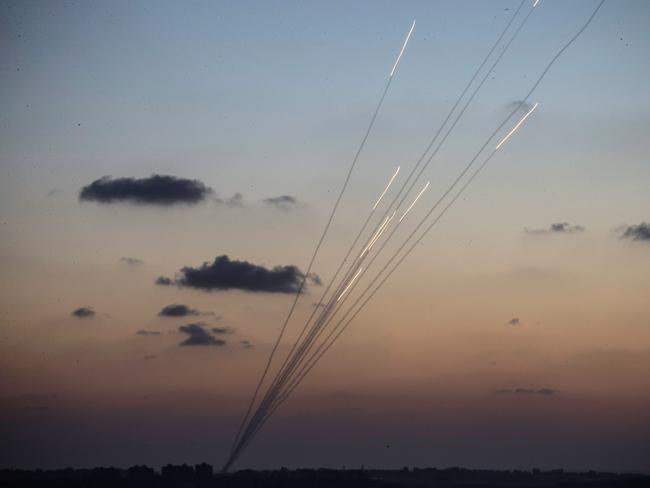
(198, 336)
(283, 202)
(557, 228)
(639, 232)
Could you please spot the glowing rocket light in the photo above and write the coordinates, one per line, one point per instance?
(406, 41)
(386, 189)
(516, 127)
(374, 237)
(414, 201)
(381, 231)
(349, 284)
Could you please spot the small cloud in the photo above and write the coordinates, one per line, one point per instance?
(143, 332)
(520, 104)
(227, 274)
(164, 281)
(221, 330)
(54, 192)
(528, 391)
(83, 312)
(283, 202)
(198, 336)
(161, 190)
(514, 321)
(149, 357)
(246, 344)
(177, 310)
(639, 232)
(134, 262)
(557, 228)
(237, 200)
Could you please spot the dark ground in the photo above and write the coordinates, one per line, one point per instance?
(202, 476)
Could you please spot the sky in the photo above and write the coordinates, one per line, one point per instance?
(516, 335)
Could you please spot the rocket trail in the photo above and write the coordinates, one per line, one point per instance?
(516, 127)
(375, 239)
(535, 4)
(410, 249)
(313, 258)
(375, 235)
(399, 56)
(303, 372)
(386, 189)
(414, 201)
(417, 164)
(349, 284)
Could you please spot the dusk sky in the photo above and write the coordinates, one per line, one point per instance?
(517, 333)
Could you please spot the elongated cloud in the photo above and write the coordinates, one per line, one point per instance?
(131, 261)
(557, 228)
(283, 202)
(639, 232)
(161, 190)
(529, 391)
(143, 332)
(198, 336)
(177, 310)
(83, 313)
(226, 274)
(237, 200)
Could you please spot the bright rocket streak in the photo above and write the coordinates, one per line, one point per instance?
(387, 187)
(516, 127)
(406, 41)
(381, 231)
(349, 284)
(535, 4)
(376, 234)
(416, 199)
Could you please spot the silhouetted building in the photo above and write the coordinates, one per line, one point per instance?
(177, 473)
(203, 471)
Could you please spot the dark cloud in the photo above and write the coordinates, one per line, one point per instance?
(226, 274)
(162, 280)
(246, 344)
(131, 261)
(557, 228)
(154, 190)
(143, 332)
(528, 391)
(284, 202)
(177, 310)
(237, 200)
(514, 321)
(149, 357)
(198, 336)
(639, 232)
(83, 312)
(221, 330)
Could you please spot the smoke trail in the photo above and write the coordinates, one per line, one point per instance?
(433, 140)
(426, 150)
(318, 355)
(318, 245)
